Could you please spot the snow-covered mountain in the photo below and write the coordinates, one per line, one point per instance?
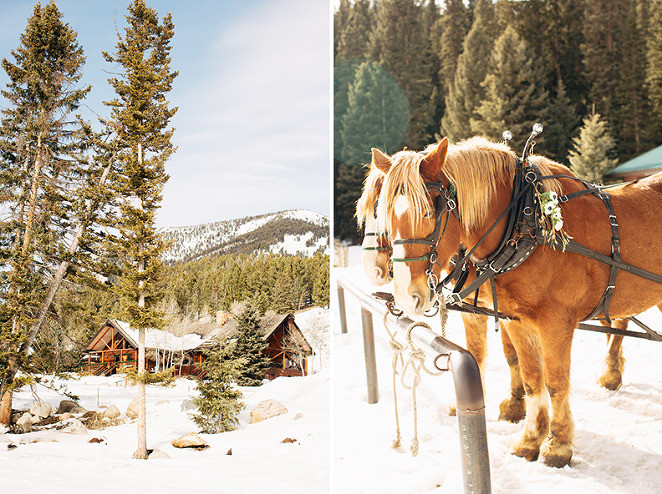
(292, 232)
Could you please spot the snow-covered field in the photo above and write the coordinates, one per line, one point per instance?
(618, 434)
(260, 462)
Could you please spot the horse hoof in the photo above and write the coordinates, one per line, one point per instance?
(611, 380)
(526, 452)
(556, 456)
(512, 410)
(452, 412)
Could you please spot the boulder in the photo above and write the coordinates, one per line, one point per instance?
(68, 406)
(65, 416)
(75, 427)
(112, 412)
(267, 409)
(41, 409)
(157, 453)
(132, 409)
(190, 440)
(25, 422)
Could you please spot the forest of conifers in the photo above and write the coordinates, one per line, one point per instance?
(408, 72)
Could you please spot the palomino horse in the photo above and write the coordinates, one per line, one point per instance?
(376, 265)
(551, 291)
(376, 253)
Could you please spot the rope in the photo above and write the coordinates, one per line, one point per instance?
(398, 351)
(416, 363)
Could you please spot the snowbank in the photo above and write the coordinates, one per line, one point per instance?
(618, 434)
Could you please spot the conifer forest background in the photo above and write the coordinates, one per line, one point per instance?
(408, 72)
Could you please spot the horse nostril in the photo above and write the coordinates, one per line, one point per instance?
(378, 272)
(418, 301)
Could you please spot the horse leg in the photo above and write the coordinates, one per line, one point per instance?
(612, 370)
(475, 330)
(512, 409)
(556, 339)
(536, 424)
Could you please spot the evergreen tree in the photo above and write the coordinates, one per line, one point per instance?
(249, 346)
(400, 43)
(353, 36)
(560, 126)
(515, 93)
(42, 178)
(630, 98)
(347, 185)
(219, 403)
(142, 116)
(377, 115)
(654, 68)
(454, 27)
(466, 92)
(591, 158)
(601, 53)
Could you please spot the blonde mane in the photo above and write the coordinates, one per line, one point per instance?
(476, 167)
(372, 186)
(403, 178)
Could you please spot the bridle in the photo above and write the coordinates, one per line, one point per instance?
(378, 248)
(444, 203)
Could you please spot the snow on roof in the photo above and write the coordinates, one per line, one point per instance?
(163, 340)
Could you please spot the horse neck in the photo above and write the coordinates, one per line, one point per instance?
(500, 201)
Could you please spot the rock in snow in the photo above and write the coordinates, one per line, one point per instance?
(68, 406)
(75, 427)
(132, 409)
(190, 440)
(25, 422)
(267, 409)
(112, 412)
(41, 409)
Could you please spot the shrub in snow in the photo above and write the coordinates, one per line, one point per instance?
(219, 403)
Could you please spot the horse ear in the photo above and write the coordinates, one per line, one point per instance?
(380, 160)
(433, 163)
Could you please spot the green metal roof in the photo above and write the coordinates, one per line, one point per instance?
(650, 160)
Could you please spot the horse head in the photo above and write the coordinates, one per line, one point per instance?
(414, 211)
(376, 251)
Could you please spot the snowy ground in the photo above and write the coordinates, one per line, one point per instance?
(618, 434)
(260, 462)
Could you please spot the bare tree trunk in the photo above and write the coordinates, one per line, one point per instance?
(5, 413)
(141, 452)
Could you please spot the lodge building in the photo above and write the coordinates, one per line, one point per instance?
(115, 347)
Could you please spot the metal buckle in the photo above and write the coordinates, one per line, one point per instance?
(453, 298)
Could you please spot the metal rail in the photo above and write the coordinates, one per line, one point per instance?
(466, 377)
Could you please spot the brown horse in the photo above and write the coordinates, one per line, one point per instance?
(551, 291)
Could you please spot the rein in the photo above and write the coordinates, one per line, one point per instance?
(445, 203)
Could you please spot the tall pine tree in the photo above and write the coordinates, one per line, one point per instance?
(592, 156)
(466, 92)
(249, 346)
(142, 116)
(654, 68)
(515, 93)
(42, 177)
(219, 403)
(377, 115)
(399, 42)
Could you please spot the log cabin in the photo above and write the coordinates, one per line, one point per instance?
(115, 347)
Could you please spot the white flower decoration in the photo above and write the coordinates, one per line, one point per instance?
(549, 203)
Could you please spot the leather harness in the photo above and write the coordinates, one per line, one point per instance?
(523, 233)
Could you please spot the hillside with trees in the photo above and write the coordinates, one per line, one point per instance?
(458, 69)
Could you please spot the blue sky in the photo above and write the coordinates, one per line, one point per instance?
(253, 93)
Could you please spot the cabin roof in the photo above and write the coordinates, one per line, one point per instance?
(164, 340)
(650, 160)
(154, 338)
